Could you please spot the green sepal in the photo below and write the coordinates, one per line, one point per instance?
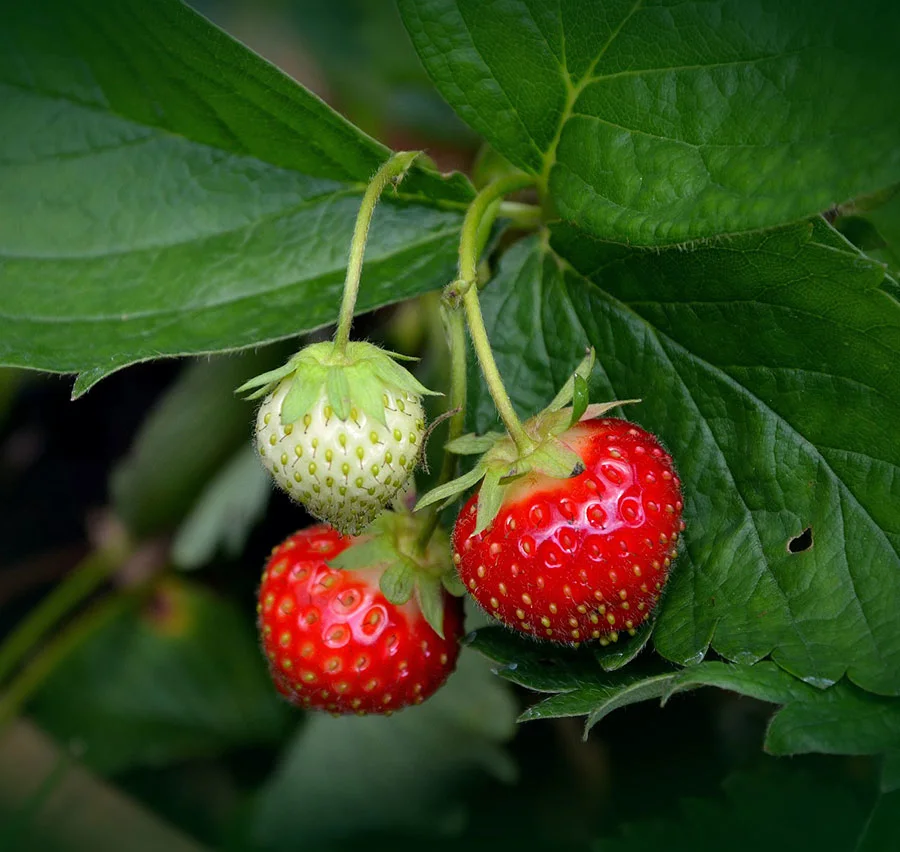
(452, 488)
(598, 409)
(472, 445)
(382, 363)
(355, 377)
(265, 382)
(580, 399)
(567, 391)
(553, 458)
(453, 583)
(338, 389)
(305, 391)
(392, 373)
(554, 423)
(367, 553)
(398, 581)
(366, 392)
(490, 498)
(399, 356)
(430, 597)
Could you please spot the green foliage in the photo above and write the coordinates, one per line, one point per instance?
(654, 123)
(840, 719)
(166, 192)
(774, 429)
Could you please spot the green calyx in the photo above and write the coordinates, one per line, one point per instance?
(355, 377)
(502, 463)
(391, 542)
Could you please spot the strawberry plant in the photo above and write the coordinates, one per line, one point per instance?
(543, 362)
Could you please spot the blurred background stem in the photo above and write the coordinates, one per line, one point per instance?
(82, 582)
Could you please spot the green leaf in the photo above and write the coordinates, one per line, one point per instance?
(430, 597)
(225, 513)
(842, 719)
(654, 123)
(777, 808)
(423, 759)
(180, 678)
(177, 451)
(190, 199)
(640, 689)
(768, 367)
(546, 667)
(875, 227)
(398, 581)
(886, 219)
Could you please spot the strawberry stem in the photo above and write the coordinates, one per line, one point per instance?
(479, 217)
(393, 171)
(524, 216)
(455, 327)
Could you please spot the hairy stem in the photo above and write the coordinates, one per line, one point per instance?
(391, 172)
(479, 217)
(525, 216)
(481, 213)
(455, 326)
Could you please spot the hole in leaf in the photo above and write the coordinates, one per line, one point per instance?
(801, 542)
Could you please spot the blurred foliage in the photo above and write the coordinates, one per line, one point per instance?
(174, 677)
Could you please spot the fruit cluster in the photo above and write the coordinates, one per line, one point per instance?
(569, 537)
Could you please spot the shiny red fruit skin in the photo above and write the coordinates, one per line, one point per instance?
(334, 642)
(583, 558)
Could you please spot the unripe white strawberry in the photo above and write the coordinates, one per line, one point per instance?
(341, 432)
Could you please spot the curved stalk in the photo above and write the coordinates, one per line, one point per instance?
(479, 217)
(456, 339)
(392, 171)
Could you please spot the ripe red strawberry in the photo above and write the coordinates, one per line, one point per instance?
(582, 558)
(334, 642)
